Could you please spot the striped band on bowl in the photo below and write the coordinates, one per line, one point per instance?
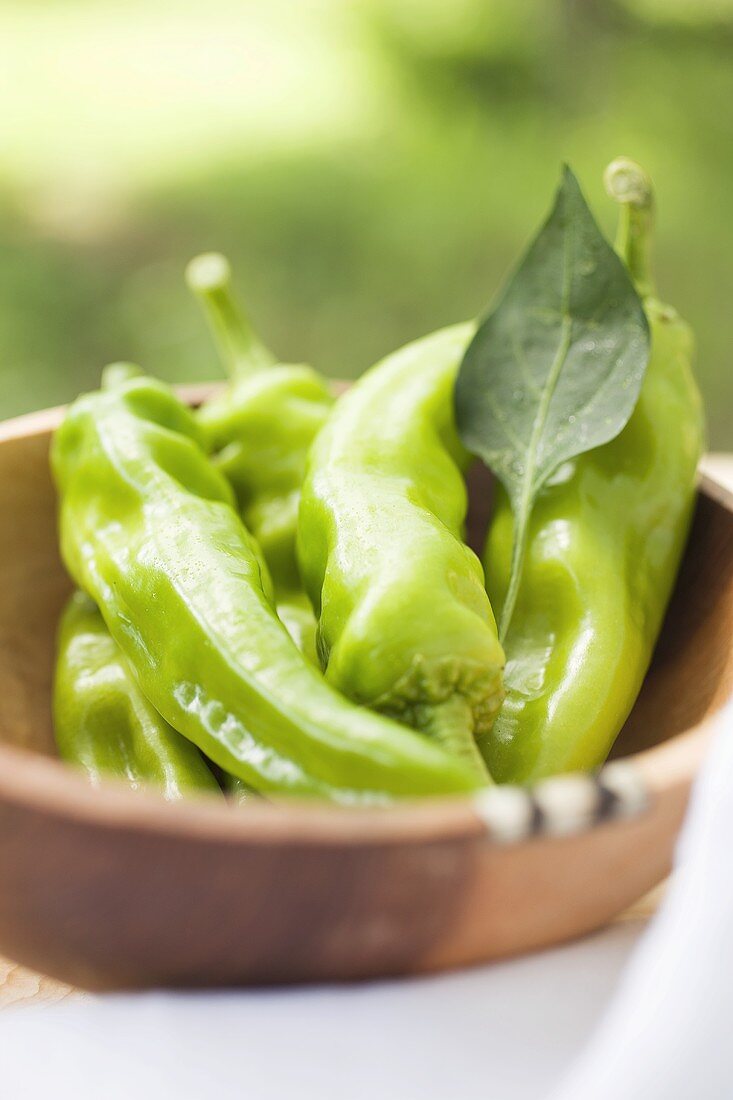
(563, 805)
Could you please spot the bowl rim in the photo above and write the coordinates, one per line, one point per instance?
(560, 806)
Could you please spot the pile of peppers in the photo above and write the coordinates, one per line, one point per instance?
(274, 596)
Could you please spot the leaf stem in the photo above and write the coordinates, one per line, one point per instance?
(524, 506)
(209, 277)
(519, 546)
(628, 184)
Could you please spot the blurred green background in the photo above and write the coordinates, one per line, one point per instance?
(371, 167)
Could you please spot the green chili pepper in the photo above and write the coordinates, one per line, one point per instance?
(150, 531)
(258, 433)
(405, 625)
(103, 722)
(605, 541)
(278, 409)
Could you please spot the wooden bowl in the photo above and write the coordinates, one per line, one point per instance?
(111, 888)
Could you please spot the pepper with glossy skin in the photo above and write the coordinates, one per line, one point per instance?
(149, 529)
(605, 541)
(102, 721)
(266, 401)
(258, 432)
(405, 625)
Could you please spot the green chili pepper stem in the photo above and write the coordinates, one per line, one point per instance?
(209, 277)
(628, 184)
(117, 373)
(447, 726)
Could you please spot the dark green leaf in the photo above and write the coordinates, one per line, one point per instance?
(556, 368)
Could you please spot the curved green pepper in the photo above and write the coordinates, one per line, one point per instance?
(102, 721)
(405, 625)
(605, 541)
(258, 432)
(149, 530)
(279, 408)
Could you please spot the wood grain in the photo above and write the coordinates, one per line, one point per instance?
(116, 889)
(20, 986)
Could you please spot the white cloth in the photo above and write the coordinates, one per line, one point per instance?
(503, 1032)
(508, 1031)
(667, 1034)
